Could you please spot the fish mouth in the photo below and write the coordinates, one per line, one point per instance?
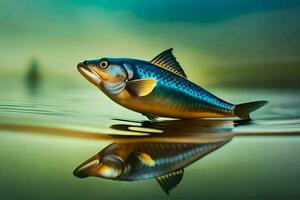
(86, 169)
(87, 73)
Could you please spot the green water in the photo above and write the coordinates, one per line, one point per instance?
(45, 133)
(52, 119)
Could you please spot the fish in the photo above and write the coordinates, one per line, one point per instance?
(159, 88)
(135, 161)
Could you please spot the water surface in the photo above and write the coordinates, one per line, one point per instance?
(45, 134)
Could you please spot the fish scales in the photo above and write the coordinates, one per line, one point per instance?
(167, 158)
(181, 91)
(159, 88)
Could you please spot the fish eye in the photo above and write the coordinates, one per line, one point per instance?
(103, 64)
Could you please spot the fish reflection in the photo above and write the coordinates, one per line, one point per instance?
(140, 160)
(168, 127)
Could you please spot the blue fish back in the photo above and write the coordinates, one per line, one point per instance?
(179, 85)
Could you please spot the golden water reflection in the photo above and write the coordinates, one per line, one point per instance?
(147, 150)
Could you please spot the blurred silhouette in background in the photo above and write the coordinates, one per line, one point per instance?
(33, 76)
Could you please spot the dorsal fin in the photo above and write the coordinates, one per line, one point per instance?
(169, 181)
(168, 61)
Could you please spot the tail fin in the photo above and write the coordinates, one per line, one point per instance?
(243, 110)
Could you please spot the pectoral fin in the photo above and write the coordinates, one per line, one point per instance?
(146, 159)
(152, 118)
(141, 159)
(141, 87)
(171, 180)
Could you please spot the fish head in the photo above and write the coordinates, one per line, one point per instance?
(108, 166)
(107, 71)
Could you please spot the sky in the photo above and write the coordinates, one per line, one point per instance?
(204, 34)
